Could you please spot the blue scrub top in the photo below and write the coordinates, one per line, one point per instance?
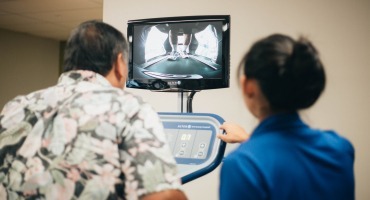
(286, 159)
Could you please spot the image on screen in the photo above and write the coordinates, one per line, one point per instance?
(186, 50)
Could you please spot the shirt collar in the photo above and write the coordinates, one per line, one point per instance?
(75, 76)
(280, 121)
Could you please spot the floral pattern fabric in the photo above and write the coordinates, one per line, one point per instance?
(83, 139)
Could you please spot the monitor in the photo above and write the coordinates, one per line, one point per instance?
(188, 53)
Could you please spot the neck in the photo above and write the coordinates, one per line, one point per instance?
(114, 80)
(265, 113)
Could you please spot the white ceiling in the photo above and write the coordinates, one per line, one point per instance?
(48, 18)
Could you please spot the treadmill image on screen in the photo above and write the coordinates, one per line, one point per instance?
(193, 142)
(178, 51)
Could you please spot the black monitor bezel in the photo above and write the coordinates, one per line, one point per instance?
(175, 85)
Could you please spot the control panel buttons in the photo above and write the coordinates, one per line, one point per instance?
(189, 144)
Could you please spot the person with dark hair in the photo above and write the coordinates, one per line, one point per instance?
(86, 138)
(284, 158)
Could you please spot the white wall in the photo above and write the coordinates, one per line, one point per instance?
(340, 30)
(27, 63)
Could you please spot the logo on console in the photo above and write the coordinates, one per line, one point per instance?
(188, 126)
(184, 126)
(174, 83)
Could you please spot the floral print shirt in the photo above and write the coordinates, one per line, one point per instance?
(83, 139)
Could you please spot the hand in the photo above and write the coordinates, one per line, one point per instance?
(170, 194)
(234, 133)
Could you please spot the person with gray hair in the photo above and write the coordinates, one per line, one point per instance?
(85, 137)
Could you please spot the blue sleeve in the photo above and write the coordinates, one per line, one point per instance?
(241, 179)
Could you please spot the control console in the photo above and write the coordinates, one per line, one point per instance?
(193, 142)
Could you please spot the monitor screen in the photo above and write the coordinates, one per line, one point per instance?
(179, 53)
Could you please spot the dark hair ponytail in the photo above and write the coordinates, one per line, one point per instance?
(289, 72)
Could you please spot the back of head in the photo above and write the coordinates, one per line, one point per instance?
(94, 46)
(289, 72)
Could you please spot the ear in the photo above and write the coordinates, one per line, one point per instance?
(119, 67)
(243, 82)
(118, 74)
(122, 70)
(248, 86)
